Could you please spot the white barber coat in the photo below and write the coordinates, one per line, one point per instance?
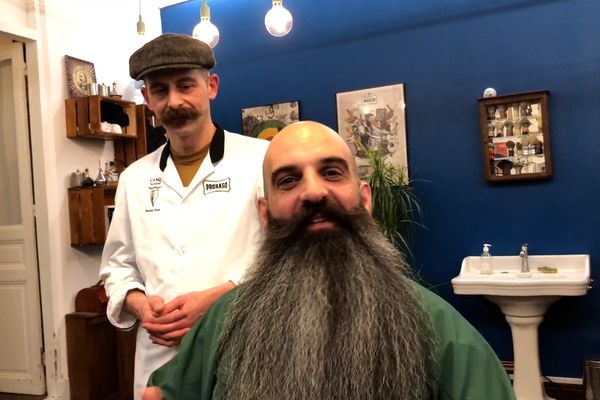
(167, 240)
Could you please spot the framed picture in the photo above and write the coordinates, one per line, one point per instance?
(79, 74)
(374, 119)
(515, 137)
(266, 121)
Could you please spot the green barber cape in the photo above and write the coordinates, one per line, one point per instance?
(469, 368)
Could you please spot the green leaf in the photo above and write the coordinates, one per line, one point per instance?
(395, 205)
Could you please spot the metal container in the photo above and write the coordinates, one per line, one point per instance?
(591, 379)
(102, 89)
(76, 178)
(92, 89)
(74, 182)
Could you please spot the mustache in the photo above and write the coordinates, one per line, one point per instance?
(178, 116)
(296, 225)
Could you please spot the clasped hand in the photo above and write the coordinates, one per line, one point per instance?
(168, 323)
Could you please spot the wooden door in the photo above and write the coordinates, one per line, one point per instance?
(21, 348)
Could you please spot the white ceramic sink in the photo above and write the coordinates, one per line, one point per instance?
(523, 298)
(571, 279)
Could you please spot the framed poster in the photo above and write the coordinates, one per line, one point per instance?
(79, 74)
(266, 121)
(515, 137)
(374, 119)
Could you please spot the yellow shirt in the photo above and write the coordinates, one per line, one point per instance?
(187, 165)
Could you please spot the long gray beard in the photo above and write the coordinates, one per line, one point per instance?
(327, 316)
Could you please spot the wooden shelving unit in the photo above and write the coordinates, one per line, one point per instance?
(84, 115)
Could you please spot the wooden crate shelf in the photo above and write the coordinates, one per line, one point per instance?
(84, 117)
(88, 214)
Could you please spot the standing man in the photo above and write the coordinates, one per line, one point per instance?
(185, 225)
(328, 310)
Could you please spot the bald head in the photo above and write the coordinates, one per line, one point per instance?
(307, 162)
(306, 137)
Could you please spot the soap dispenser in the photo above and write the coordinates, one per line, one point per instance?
(485, 266)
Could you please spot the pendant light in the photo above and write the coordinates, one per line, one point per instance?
(278, 20)
(205, 30)
(141, 27)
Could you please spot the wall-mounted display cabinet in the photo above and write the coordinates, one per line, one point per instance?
(515, 137)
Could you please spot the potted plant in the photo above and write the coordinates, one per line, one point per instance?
(395, 205)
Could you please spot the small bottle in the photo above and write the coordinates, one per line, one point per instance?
(486, 260)
(101, 178)
(113, 90)
(107, 173)
(87, 181)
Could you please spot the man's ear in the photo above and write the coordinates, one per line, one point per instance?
(213, 86)
(365, 196)
(261, 206)
(144, 90)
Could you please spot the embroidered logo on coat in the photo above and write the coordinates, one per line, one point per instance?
(154, 186)
(217, 186)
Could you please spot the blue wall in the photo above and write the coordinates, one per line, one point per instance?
(446, 53)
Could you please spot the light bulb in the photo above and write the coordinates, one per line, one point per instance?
(207, 32)
(489, 92)
(278, 20)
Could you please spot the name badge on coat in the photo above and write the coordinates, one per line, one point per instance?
(223, 185)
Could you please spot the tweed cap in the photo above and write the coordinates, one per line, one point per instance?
(169, 51)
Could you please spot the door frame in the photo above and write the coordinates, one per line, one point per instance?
(38, 93)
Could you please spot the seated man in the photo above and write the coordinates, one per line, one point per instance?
(328, 310)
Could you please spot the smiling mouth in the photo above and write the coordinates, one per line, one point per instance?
(317, 218)
(319, 222)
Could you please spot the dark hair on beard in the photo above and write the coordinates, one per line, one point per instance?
(327, 315)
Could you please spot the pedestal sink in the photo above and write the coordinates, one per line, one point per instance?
(524, 298)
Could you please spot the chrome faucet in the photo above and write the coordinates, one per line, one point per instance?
(524, 258)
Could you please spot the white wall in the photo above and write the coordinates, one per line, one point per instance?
(102, 32)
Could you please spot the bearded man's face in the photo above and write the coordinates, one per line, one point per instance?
(308, 163)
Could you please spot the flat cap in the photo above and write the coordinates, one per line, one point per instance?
(170, 51)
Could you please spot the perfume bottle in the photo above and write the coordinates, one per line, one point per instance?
(113, 90)
(100, 178)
